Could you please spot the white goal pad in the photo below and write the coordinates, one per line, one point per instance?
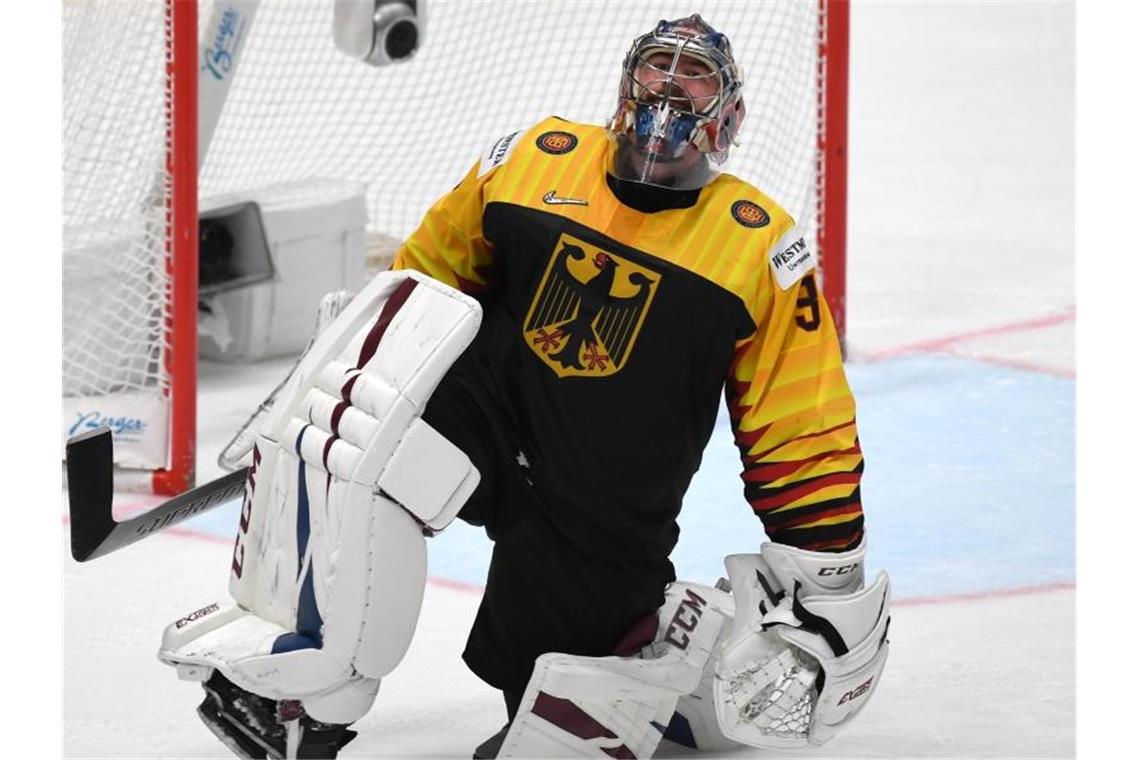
(620, 706)
(330, 560)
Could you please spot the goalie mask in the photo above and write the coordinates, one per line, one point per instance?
(679, 106)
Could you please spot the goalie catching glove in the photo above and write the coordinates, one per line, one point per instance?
(806, 648)
(330, 561)
(785, 661)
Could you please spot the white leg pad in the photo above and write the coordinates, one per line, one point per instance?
(330, 561)
(604, 707)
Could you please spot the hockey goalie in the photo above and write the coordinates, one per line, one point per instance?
(546, 360)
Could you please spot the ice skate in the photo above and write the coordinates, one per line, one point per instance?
(259, 728)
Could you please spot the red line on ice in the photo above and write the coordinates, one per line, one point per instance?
(974, 596)
(914, 601)
(947, 342)
(1019, 364)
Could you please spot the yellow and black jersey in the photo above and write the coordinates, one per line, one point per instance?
(613, 332)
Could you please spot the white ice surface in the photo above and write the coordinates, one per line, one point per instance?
(972, 678)
(960, 230)
(961, 168)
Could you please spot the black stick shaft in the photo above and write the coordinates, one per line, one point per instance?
(90, 488)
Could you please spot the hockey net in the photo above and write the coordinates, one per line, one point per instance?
(129, 269)
(300, 110)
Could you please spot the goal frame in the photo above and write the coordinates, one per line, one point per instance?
(182, 165)
(181, 356)
(831, 183)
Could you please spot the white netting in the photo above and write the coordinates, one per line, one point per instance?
(114, 275)
(775, 694)
(300, 109)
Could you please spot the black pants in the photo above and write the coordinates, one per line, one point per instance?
(543, 593)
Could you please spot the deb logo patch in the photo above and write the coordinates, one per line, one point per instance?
(556, 143)
(588, 309)
(749, 214)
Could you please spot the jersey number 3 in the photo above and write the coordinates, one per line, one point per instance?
(808, 301)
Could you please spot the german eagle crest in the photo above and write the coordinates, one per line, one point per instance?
(588, 309)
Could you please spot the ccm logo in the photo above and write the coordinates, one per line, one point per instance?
(858, 691)
(243, 523)
(685, 619)
(844, 570)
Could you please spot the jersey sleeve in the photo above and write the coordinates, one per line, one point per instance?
(449, 244)
(793, 416)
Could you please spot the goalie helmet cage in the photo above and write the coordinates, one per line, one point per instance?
(303, 117)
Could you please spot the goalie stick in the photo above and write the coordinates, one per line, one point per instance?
(90, 471)
(90, 476)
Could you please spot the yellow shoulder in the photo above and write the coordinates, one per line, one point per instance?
(750, 207)
(764, 231)
(552, 136)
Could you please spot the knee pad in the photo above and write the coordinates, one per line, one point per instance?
(620, 706)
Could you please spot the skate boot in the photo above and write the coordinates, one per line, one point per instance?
(259, 728)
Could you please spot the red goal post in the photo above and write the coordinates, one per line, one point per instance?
(299, 113)
(831, 238)
(130, 234)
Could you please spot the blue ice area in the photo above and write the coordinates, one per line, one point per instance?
(969, 485)
(969, 481)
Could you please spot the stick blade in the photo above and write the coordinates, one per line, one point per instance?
(90, 489)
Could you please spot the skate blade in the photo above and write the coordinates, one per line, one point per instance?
(249, 749)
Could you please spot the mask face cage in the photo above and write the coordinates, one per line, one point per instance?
(680, 90)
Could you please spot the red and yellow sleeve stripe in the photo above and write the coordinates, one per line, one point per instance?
(793, 416)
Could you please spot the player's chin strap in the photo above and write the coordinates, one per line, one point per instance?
(807, 647)
(330, 561)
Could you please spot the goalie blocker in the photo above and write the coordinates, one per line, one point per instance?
(346, 480)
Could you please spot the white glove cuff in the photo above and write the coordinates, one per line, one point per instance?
(817, 572)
